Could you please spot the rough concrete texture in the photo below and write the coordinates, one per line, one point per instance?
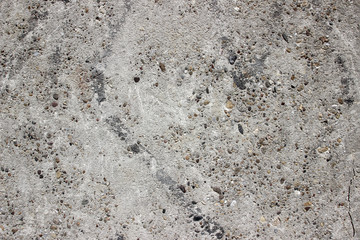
(201, 119)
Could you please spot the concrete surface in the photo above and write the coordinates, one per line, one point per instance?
(189, 119)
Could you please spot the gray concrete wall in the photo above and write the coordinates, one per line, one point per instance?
(189, 119)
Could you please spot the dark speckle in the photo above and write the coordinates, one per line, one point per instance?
(197, 218)
(340, 62)
(285, 37)
(162, 67)
(182, 188)
(135, 148)
(119, 237)
(136, 79)
(84, 202)
(232, 58)
(267, 84)
(241, 130)
(213, 227)
(219, 235)
(349, 101)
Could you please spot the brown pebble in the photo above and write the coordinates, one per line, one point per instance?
(217, 190)
(162, 67)
(182, 188)
(324, 39)
(340, 100)
(322, 149)
(136, 79)
(54, 104)
(229, 104)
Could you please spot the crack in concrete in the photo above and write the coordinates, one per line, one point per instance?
(349, 200)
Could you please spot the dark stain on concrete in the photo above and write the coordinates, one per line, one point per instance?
(117, 127)
(97, 78)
